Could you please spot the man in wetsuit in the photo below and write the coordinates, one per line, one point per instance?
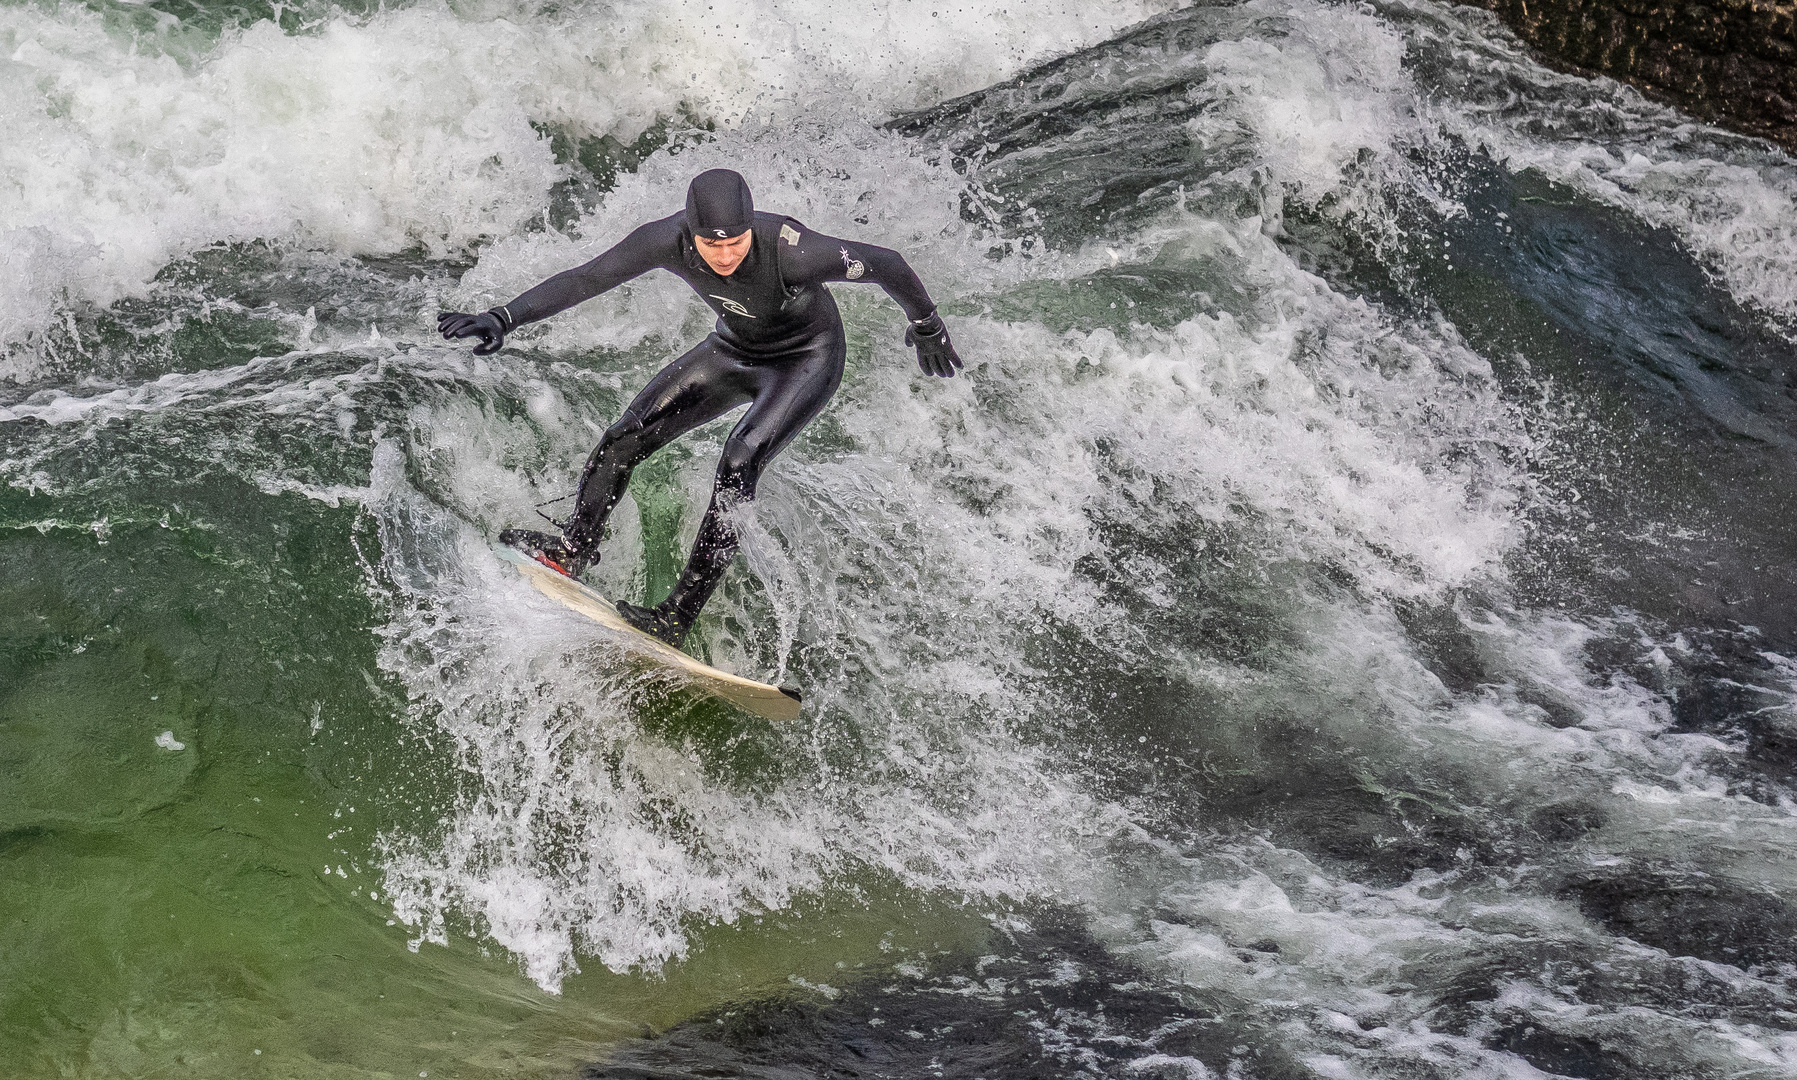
(778, 348)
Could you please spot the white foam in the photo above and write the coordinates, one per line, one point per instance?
(1732, 200)
(1356, 974)
(1330, 90)
(910, 763)
(912, 554)
(1372, 961)
(412, 127)
(1330, 87)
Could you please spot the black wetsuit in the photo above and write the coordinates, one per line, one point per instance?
(778, 347)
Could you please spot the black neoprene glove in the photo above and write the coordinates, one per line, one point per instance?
(489, 326)
(935, 352)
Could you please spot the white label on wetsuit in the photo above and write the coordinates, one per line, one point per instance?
(731, 306)
(790, 235)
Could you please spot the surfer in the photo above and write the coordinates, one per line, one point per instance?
(778, 347)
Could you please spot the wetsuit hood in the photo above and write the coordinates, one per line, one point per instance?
(718, 205)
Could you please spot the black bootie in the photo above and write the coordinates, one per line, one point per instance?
(658, 624)
(552, 551)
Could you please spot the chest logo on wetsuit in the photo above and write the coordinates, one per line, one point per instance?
(790, 235)
(852, 267)
(731, 306)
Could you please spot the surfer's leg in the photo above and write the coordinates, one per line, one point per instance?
(790, 395)
(699, 387)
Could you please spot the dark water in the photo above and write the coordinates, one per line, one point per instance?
(1340, 626)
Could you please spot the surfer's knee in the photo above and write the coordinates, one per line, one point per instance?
(623, 439)
(739, 468)
(628, 427)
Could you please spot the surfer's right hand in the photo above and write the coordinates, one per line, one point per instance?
(487, 326)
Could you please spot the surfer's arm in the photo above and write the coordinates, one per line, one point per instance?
(889, 270)
(650, 247)
(817, 258)
(813, 258)
(645, 249)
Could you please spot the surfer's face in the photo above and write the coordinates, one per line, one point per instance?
(724, 256)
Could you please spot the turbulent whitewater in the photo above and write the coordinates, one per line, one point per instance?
(1339, 625)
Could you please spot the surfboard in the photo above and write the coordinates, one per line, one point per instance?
(762, 699)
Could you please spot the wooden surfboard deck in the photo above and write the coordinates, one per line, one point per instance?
(762, 699)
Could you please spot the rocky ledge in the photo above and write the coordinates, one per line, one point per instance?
(1733, 62)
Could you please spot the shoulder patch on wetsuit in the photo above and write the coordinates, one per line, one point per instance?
(852, 268)
(790, 235)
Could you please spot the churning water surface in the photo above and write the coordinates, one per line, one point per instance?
(1339, 625)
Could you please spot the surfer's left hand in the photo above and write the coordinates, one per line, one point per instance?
(936, 354)
(487, 326)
